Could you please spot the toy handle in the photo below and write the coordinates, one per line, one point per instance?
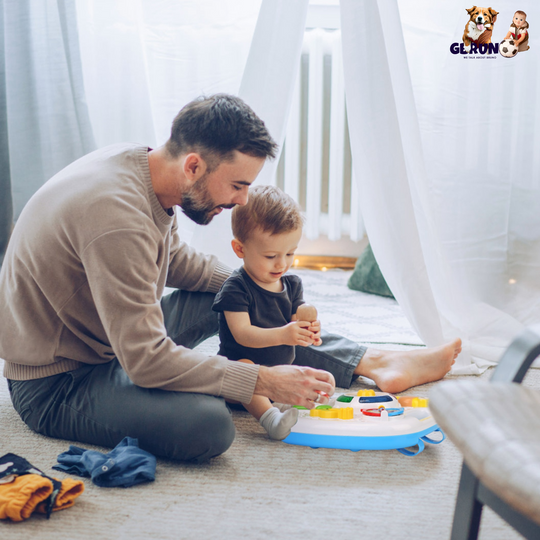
(432, 441)
(406, 452)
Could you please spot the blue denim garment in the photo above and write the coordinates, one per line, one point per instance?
(124, 466)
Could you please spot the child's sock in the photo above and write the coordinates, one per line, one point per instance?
(278, 424)
(282, 406)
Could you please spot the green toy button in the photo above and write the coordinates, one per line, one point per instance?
(323, 407)
(345, 399)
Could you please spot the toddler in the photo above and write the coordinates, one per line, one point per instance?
(257, 305)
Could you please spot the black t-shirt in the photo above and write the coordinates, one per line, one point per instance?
(266, 309)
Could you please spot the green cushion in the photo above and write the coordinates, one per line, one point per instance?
(367, 276)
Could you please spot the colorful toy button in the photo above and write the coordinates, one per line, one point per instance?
(366, 393)
(346, 413)
(343, 413)
(324, 413)
(420, 402)
(345, 399)
(381, 410)
(413, 401)
(374, 399)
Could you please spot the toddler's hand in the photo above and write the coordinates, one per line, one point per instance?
(297, 333)
(316, 329)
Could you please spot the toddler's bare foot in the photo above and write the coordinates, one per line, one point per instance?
(396, 371)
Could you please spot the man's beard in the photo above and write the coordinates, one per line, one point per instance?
(197, 204)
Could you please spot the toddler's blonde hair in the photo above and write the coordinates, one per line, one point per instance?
(268, 209)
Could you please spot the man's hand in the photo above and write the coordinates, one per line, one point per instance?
(295, 385)
(297, 333)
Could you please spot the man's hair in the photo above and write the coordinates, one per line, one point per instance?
(215, 127)
(268, 209)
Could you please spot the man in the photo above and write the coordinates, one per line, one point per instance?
(92, 353)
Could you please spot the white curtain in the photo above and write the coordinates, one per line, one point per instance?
(443, 145)
(143, 60)
(448, 177)
(267, 87)
(44, 120)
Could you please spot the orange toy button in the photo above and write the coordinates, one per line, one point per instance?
(413, 401)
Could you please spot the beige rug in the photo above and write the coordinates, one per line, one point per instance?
(262, 489)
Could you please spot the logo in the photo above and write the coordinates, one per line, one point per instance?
(476, 41)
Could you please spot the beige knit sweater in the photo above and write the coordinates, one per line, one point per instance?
(84, 271)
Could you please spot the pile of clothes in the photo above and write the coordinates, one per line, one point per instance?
(24, 489)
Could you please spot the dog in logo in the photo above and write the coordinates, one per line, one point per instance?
(479, 27)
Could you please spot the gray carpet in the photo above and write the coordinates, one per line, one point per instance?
(267, 489)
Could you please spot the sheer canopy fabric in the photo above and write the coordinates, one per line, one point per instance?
(455, 236)
(448, 201)
(267, 87)
(443, 146)
(144, 60)
(480, 134)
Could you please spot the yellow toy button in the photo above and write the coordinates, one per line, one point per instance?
(329, 413)
(332, 414)
(366, 393)
(413, 401)
(342, 413)
(420, 402)
(346, 413)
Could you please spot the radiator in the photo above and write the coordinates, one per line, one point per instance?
(315, 164)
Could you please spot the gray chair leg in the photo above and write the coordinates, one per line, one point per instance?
(468, 509)
(518, 358)
(472, 495)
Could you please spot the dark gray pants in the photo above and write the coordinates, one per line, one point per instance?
(100, 405)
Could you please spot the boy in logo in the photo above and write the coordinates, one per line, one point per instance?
(518, 31)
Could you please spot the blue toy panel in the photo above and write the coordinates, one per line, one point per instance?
(394, 442)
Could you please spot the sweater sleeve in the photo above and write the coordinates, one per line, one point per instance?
(191, 270)
(122, 276)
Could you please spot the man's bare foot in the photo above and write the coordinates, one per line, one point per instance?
(396, 371)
